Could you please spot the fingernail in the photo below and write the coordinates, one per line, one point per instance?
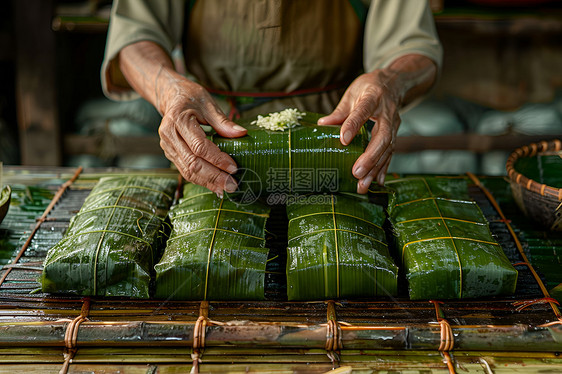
(219, 195)
(230, 186)
(381, 180)
(366, 182)
(238, 128)
(347, 137)
(321, 120)
(231, 169)
(359, 172)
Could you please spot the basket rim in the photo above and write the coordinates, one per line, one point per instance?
(527, 183)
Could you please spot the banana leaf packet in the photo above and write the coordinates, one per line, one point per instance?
(337, 249)
(308, 158)
(111, 244)
(444, 241)
(216, 250)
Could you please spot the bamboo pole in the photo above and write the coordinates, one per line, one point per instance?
(284, 335)
(226, 354)
(375, 314)
(228, 361)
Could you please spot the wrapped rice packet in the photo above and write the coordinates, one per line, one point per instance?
(216, 250)
(444, 242)
(306, 158)
(337, 249)
(111, 245)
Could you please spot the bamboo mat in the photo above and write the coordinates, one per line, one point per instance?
(492, 335)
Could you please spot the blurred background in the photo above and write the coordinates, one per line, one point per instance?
(500, 88)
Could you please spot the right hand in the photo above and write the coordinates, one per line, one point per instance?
(185, 105)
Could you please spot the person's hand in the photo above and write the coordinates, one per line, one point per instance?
(370, 96)
(185, 105)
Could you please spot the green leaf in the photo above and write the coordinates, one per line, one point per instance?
(110, 246)
(543, 168)
(308, 158)
(337, 249)
(444, 241)
(216, 250)
(556, 292)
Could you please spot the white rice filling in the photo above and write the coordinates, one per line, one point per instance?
(279, 121)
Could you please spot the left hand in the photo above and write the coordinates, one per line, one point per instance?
(371, 96)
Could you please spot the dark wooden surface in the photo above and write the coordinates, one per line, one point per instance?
(35, 84)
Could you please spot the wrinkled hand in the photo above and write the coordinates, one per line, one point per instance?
(370, 96)
(185, 105)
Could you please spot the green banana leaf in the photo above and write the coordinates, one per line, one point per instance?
(556, 292)
(216, 250)
(111, 245)
(444, 241)
(307, 158)
(543, 168)
(337, 249)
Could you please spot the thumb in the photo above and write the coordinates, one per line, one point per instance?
(337, 117)
(223, 126)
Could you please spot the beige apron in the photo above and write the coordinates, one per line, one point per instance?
(278, 50)
(272, 46)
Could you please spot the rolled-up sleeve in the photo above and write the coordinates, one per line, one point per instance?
(395, 28)
(131, 21)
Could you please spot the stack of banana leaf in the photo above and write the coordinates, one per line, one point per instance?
(543, 168)
(307, 158)
(444, 241)
(216, 250)
(111, 245)
(337, 249)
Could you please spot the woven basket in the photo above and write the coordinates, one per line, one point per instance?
(5, 197)
(538, 201)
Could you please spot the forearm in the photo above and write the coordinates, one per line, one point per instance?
(184, 106)
(144, 64)
(409, 77)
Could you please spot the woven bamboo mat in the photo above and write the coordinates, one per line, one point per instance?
(489, 335)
